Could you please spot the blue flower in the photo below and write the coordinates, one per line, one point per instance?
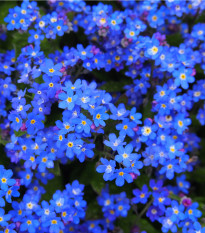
(68, 100)
(175, 212)
(161, 199)
(183, 185)
(50, 69)
(34, 123)
(107, 168)
(60, 28)
(99, 116)
(156, 186)
(118, 113)
(126, 128)
(154, 213)
(29, 224)
(16, 121)
(21, 107)
(12, 192)
(45, 212)
(170, 167)
(73, 87)
(125, 155)
(168, 224)
(181, 123)
(114, 141)
(84, 53)
(35, 37)
(153, 49)
(5, 178)
(10, 228)
(183, 77)
(4, 218)
(148, 130)
(26, 176)
(141, 196)
(136, 165)
(121, 175)
(64, 127)
(7, 87)
(73, 146)
(83, 124)
(45, 161)
(192, 212)
(51, 85)
(173, 148)
(86, 151)
(135, 116)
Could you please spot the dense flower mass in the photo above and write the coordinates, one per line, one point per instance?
(102, 116)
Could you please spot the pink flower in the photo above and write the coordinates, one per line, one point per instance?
(186, 201)
(23, 127)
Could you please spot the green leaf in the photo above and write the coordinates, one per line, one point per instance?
(70, 15)
(19, 133)
(174, 197)
(56, 170)
(174, 39)
(146, 112)
(198, 175)
(90, 176)
(93, 210)
(4, 160)
(141, 180)
(49, 46)
(55, 184)
(127, 223)
(3, 142)
(56, 114)
(5, 6)
(19, 40)
(112, 86)
(147, 226)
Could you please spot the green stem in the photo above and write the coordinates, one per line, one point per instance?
(145, 209)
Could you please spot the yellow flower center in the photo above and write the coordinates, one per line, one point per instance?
(51, 70)
(33, 121)
(70, 144)
(3, 180)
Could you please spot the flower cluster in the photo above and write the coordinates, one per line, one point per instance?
(122, 107)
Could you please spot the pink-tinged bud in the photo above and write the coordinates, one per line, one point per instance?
(64, 78)
(55, 128)
(193, 72)
(150, 119)
(134, 176)
(4, 133)
(186, 201)
(57, 93)
(173, 27)
(181, 195)
(18, 224)
(95, 50)
(51, 1)
(124, 42)
(160, 37)
(182, 149)
(135, 229)
(23, 127)
(154, 103)
(93, 126)
(62, 69)
(136, 128)
(18, 182)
